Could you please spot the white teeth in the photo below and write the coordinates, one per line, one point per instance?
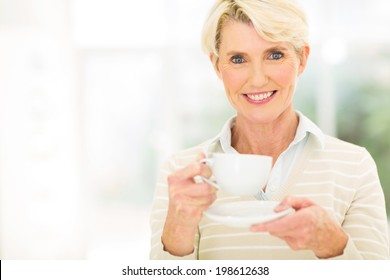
(259, 97)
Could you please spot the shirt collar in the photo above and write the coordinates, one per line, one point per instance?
(305, 127)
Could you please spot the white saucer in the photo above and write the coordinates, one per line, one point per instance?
(245, 213)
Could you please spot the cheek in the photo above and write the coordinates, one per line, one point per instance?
(233, 80)
(286, 76)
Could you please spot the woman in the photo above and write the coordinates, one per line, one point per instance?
(258, 49)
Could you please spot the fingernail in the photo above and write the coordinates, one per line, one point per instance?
(257, 228)
(281, 207)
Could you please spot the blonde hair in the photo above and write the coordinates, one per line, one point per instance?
(274, 20)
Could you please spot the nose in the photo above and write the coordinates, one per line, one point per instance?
(258, 75)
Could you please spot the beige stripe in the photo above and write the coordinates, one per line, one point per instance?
(154, 212)
(326, 182)
(374, 254)
(363, 227)
(186, 157)
(335, 161)
(368, 240)
(328, 151)
(376, 182)
(340, 173)
(324, 195)
(245, 248)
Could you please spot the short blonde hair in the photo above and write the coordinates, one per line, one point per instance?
(274, 20)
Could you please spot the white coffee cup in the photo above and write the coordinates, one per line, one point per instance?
(239, 174)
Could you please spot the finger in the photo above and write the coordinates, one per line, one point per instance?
(189, 202)
(188, 172)
(190, 191)
(283, 224)
(204, 201)
(199, 190)
(294, 202)
(205, 169)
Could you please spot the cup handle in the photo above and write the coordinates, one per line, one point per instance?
(208, 181)
(209, 161)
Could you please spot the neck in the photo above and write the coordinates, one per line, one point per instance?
(269, 139)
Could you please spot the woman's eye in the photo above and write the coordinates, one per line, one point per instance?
(276, 56)
(237, 59)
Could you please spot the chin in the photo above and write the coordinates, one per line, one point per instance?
(261, 118)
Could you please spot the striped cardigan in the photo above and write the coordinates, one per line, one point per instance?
(341, 177)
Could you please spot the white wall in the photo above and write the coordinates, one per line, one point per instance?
(40, 162)
(95, 94)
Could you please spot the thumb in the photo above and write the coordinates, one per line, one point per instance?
(294, 202)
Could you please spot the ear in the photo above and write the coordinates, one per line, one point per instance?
(214, 60)
(304, 56)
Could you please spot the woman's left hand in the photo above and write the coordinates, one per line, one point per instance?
(310, 227)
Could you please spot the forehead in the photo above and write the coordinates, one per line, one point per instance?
(243, 37)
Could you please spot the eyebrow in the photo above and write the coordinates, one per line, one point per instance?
(270, 49)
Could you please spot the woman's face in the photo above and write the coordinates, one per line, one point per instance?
(259, 76)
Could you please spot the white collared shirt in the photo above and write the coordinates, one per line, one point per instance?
(283, 165)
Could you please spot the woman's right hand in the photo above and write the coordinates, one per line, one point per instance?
(187, 202)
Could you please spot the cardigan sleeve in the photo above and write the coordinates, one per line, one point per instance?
(365, 221)
(158, 216)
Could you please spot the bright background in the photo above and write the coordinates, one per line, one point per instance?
(95, 94)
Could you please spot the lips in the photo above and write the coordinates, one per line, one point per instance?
(259, 97)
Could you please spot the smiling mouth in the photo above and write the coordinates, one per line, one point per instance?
(260, 96)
